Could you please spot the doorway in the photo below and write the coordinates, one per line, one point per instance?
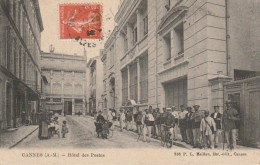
(67, 108)
(8, 105)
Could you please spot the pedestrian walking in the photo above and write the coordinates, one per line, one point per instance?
(196, 120)
(157, 127)
(148, 125)
(217, 116)
(129, 119)
(176, 117)
(169, 123)
(207, 129)
(139, 122)
(182, 123)
(189, 126)
(122, 119)
(230, 116)
(64, 129)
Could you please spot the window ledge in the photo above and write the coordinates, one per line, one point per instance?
(133, 47)
(180, 55)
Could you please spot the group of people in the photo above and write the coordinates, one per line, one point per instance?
(197, 128)
(48, 124)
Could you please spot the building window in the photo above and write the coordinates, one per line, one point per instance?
(112, 58)
(8, 49)
(104, 84)
(56, 99)
(145, 21)
(125, 44)
(124, 86)
(179, 40)
(167, 46)
(134, 35)
(14, 11)
(133, 82)
(143, 79)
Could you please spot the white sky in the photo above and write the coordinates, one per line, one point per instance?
(50, 35)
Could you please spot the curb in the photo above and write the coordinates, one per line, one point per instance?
(12, 146)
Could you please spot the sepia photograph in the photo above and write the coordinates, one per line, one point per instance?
(129, 81)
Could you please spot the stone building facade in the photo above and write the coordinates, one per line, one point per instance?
(95, 99)
(65, 92)
(20, 73)
(173, 52)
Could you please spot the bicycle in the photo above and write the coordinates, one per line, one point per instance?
(166, 136)
(105, 130)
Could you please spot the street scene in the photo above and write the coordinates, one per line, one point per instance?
(171, 74)
(82, 135)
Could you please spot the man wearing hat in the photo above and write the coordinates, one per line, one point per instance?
(148, 124)
(169, 122)
(189, 126)
(196, 120)
(217, 116)
(182, 123)
(208, 128)
(122, 119)
(176, 117)
(230, 116)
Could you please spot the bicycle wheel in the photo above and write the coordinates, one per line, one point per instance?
(163, 138)
(168, 140)
(111, 132)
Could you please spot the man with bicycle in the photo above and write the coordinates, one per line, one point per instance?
(169, 123)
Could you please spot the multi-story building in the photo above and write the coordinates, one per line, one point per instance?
(65, 92)
(173, 52)
(20, 73)
(95, 85)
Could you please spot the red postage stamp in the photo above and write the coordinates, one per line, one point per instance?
(82, 21)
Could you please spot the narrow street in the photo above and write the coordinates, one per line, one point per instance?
(81, 135)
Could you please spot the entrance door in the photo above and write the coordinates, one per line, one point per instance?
(67, 108)
(253, 119)
(176, 93)
(8, 105)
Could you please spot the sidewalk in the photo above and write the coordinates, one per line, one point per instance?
(9, 139)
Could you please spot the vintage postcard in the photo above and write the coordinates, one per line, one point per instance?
(129, 82)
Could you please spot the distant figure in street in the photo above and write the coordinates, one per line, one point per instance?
(196, 120)
(182, 123)
(23, 117)
(121, 119)
(230, 116)
(139, 121)
(64, 129)
(157, 128)
(176, 117)
(217, 118)
(189, 126)
(129, 118)
(207, 129)
(148, 124)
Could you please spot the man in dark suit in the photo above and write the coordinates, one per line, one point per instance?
(217, 116)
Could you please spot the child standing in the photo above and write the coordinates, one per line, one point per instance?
(64, 129)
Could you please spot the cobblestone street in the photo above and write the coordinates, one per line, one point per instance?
(81, 135)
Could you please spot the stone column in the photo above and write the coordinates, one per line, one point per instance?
(73, 106)
(138, 24)
(217, 91)
(62, 101)
(84, 107)
(51, 81)
(129, 30)
(128, 82)
(138, 81)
